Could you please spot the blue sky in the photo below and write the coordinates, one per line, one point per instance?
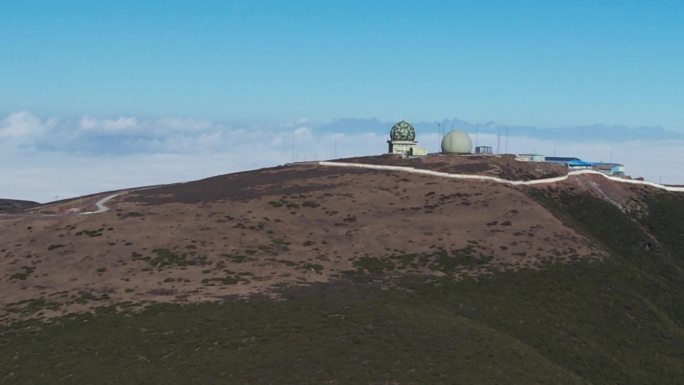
(522, 62)
(166, 78)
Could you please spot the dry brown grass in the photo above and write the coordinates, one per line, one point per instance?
(248, 233)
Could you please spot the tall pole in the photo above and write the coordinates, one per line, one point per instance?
(335, 143)
(506, 139)
(441, 135)
(293, 146)
(498, 140)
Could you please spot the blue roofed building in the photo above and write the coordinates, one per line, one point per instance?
(613, 169)
(574, 163)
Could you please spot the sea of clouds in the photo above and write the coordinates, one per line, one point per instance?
(48, 158)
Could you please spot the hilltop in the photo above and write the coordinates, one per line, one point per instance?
(262, 229)
(8, 206)
(414, 278)
(503, 166)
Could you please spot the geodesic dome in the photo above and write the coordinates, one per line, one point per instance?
(403, 131)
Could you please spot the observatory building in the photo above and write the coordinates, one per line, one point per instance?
(403, 140)
(457, 142)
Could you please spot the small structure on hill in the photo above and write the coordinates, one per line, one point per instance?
(614, 169)
(572, 163)
(484, 150)
(403, 140)
(457, 142)
(530, 158)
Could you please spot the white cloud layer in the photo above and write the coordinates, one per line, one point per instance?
(23, 126)
(118, 124)
(44, 159)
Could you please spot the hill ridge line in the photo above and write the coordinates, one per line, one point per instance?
(488, 178)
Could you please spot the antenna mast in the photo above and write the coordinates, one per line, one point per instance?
(506, 139)
(498, 140)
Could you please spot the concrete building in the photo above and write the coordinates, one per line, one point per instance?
(530, 158)
(614, 169)
(403, 140)
(419, 151)
(484, 150)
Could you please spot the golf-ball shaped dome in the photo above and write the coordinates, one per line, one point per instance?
(457, 142)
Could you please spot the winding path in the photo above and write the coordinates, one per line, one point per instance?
(101, 208)
(500, 180)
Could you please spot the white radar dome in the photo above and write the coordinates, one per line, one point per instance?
(457, 142)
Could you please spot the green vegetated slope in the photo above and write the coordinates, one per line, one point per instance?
(620, 321)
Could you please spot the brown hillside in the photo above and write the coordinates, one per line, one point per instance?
(255, 232)
(9, 206)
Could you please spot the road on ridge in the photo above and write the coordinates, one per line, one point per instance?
(501, 180)
(101, 208)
